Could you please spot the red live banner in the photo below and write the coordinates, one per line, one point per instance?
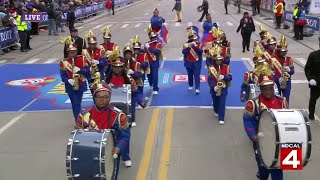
(291, 156)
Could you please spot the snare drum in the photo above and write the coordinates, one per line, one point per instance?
(282, 126)
(254, 91)
(121, 99)
(89, 155)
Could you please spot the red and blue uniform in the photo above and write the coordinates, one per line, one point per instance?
(158, 27)
(219, 102)
(66, 73)
(142, 59)
(107, 48)
(251, 120)
(249, 78)
(154, 54)
(97, 54)
(108, 118)
(278, 63)
(193, 62)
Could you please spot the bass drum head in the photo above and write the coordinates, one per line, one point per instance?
(266, 138)
(110, 166)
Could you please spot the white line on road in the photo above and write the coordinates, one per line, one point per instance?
(137, 25)
(162, 63)
(180, 58)
(50, 61)
(212, 11)
(164, 58)
(190, 24)
(177, 24)
(229, 23)
(2, 61)
(249, 61)
(109, 25)
(25, 107)
(146, 14)
(201, 107)
(10, 123)
(31, 61)
(79, 27)
(166, 24)
(302, 60)
(258, 23)
(124, 26)
(96, 27)
(296, 81)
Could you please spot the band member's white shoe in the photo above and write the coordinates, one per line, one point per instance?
(139, 108)
(127, 163)
(133, 124)
(221, 122)
(190, 88)
(197, 91)
(215, 114)
(155, 93)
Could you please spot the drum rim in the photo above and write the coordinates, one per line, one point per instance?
(309, 145)
(276, 153)
(115, 161)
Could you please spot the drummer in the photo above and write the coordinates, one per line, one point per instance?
(267, 99)
(119, 77)
(105, 116)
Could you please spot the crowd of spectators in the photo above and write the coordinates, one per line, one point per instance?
(11, 9)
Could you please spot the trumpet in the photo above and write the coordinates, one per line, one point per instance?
(220, 84)
(285, 76)
(75, 77)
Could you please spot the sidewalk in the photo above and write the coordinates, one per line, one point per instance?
(43, 41)
(266, 18)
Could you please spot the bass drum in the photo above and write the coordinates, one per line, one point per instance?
(254, 91)
(279, 126)
(89, 155)
(121, 99)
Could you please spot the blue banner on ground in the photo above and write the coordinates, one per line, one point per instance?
(313, 22)
(37, 87)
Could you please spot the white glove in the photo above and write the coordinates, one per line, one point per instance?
(76, 69)
(287, 68)
(147, 46)
(130, 72)
(71, 81)
(96, 62)
(313, 82)
(215, 88)
(221, 77)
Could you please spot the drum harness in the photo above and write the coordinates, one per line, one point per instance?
(259, 107)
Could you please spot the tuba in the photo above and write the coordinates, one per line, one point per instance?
(220, 84)
(75, 77)
(285, 77)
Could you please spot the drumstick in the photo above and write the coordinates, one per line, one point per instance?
(115, 156)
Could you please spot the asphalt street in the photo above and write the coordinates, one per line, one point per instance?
(168, 143)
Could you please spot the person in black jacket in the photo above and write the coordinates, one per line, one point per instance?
(205, 7)
(71, 18)
(312, 71)
(112, 7)
(81, 43)
(247, 27)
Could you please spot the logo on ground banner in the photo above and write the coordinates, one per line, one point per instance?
(51, 88)
(291, 156)
(184, 78)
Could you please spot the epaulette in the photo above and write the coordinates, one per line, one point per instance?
(159, 46)
(250, 107)
(123, 122)
(61, 65)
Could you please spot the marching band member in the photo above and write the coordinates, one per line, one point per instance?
(158, 27)
(193, 59)
(219, 83)
(153, 48)
(73, 71)
(119, 77)
(95, 60)
(267, 99)
(207, 27)
(107, 46)
(283, 67)
(222, 41)
(272, 44)
(140, 57)
(105, 116)
(262, 34)
(208, 40)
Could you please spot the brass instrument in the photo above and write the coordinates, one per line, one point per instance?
(75, 77)
(285, 77)
(220, 84)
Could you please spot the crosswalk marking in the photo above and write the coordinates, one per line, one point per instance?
(2, 61)
(96, 27)
(190, 24)
(146, 14)
(258, 22)
(249, 61)
(109, 25)
(177, 24)
(303, 61)
(229, 23)
(296, 81)
(31, 61)
(180, 58)
(124, 26)
(50, 61)
(137, 25)
(79, 27)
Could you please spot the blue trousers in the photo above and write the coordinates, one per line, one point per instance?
(226, 61)
(194, 70)
(136, 98)
(276, 174)
(76, 99)
(153, 78)
(285, 92)
(140, 88)
(219, 104)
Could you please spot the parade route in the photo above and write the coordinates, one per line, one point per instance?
(177, 136)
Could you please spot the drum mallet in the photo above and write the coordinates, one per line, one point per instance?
(115, 156)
